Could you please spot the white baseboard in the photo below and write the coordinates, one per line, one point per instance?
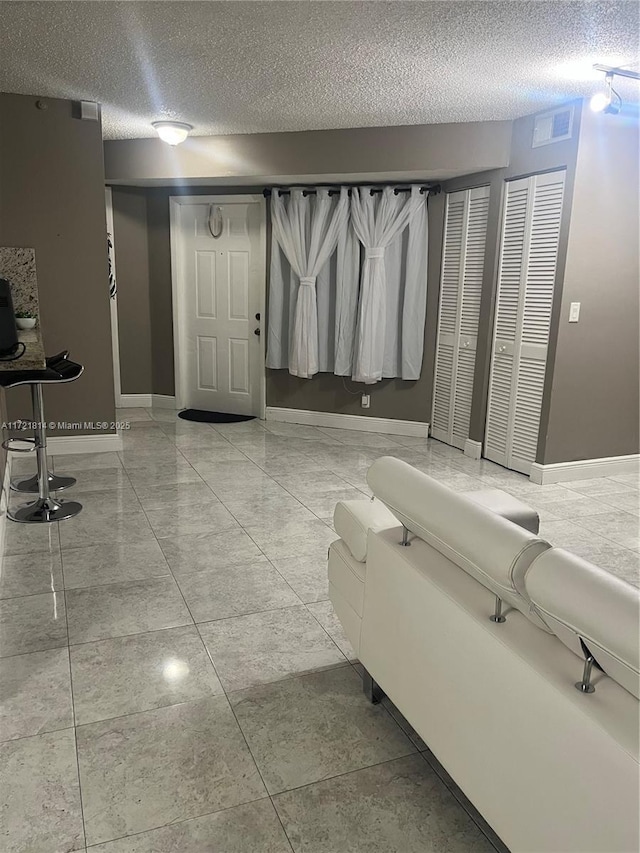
(163, 401)
(134, 401)
(585, 469)
(146, 401)
(473, 449)
(390, 426)
(63, 444)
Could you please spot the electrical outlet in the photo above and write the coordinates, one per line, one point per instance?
(366, 401)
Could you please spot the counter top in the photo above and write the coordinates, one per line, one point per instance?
(33, 357)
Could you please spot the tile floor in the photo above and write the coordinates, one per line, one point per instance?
(172, 676)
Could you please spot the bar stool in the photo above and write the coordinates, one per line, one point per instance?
(46, 508)
(57, 482)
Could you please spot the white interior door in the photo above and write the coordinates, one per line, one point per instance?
(465, 235)
(220, 285)
(526, 279)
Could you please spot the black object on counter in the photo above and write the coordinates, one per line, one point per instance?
(8, 331)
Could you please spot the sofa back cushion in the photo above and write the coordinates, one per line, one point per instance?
(494, 551)
(580, 601)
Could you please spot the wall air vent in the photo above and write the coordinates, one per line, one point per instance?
(553, 126)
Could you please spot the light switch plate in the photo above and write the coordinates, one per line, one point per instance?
(574, 312)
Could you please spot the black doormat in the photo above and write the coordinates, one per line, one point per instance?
(213, 417)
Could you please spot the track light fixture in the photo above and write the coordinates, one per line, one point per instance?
(609, 101)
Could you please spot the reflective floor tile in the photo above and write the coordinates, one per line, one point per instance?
(186, 554)
(30, 538)
(41, 798)
(71, 462)
(125, 675)
(224, 592)
(175, 494)
(618, 526)
(28, 574)
(400, 807)
(115, 562)
(306, 575)
(151, 769)
(35, 694)
(32, 624)
(323, 611)
(323, 505)
(114, 610)
(628, 501)
(310, 728)
(292, 539)
(250, 828)
(109, 501)
(163, 474)
(212, 453)
(91, 528)
(98, 479)
(265, 647)
(267, 509)
(193, 519)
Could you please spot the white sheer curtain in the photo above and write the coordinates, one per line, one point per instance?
(377, 220)
(338, 297)
(307, 228)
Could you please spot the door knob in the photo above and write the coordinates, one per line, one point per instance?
(256, 332)
(502, 348)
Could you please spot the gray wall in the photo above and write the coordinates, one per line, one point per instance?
(132, 275)
(52, 199)
(435, 151)
(593, 403)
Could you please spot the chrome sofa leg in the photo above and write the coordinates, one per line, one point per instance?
(497, 613)
(585, 686)
(372, 691)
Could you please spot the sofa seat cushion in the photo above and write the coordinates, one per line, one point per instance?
(507, 506)
(347, 575)
(352, 521)
(580, 601)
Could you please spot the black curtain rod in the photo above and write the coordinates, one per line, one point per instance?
(434, 189)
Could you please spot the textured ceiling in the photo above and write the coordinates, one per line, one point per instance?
(245, 67)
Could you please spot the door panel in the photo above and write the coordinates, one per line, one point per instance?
(459, 313)
(221, 296)
(526, 280)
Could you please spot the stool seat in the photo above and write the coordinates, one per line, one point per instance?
(60, 370)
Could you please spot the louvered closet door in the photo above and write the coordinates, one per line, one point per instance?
(526, 278)
(465, 235)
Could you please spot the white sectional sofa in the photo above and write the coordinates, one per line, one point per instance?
(499, 696)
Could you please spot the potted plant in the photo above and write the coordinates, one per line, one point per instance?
(25, 319)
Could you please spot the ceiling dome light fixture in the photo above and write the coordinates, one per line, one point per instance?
(610, 101)
(172, 132)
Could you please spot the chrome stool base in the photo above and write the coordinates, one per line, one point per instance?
(45, 511)
(30, 485)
